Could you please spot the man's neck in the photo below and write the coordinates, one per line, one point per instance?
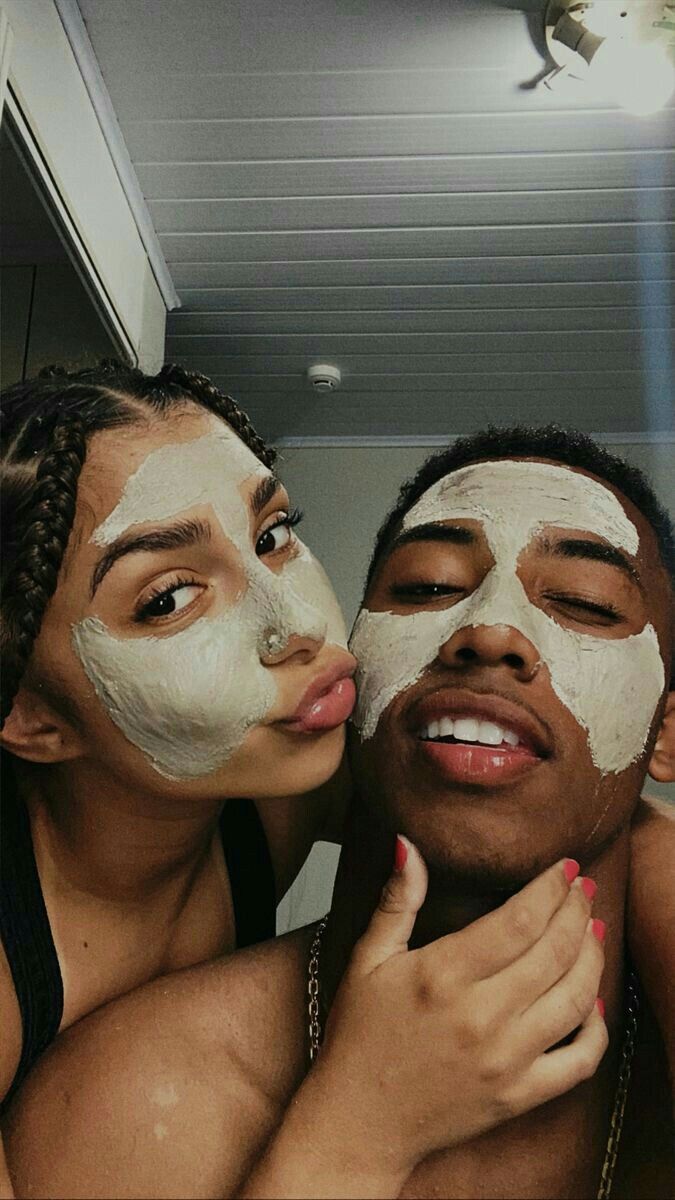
(366, 863)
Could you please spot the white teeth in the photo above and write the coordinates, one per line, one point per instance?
(489, 734)
(466, 729)
(469, 729)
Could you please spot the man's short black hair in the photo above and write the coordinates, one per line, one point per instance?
(567, 446)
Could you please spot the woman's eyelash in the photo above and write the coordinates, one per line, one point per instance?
(293, 518)
(163, 590)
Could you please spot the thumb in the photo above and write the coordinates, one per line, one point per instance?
(392, 922)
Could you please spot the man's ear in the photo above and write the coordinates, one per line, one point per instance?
(34, 731)
(662, 764)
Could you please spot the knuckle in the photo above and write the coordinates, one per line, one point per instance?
(581, 1000)
(564, 947)
(523, 922)
(470, 1033)
(589, 1057)
(497, 1067)
(391, 900)
(428, 990)
(510, 1104)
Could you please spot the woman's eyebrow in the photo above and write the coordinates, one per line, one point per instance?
(266, 489)
(188, 532)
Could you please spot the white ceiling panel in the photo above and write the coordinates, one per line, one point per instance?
(389, 187)
(566, 272)
(390, 176)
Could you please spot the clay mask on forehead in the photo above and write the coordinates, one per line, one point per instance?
(189, 699)
(611, 686)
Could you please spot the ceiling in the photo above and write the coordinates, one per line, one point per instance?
(381, 185)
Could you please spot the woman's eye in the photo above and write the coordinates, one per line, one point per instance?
(278, 535)
(169, 601)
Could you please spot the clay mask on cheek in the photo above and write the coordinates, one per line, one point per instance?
(188, 700)
(611, 686)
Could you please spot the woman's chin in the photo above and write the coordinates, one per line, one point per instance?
(303, 762)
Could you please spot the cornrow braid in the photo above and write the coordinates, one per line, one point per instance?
(46, 423)
(200, 388)
(40, 554)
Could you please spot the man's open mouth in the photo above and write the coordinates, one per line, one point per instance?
(478, 738)
(451, 730)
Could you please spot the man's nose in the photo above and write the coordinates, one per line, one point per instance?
(275, 649)
(491, 646)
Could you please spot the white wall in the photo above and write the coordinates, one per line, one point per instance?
(346, 493)
(46, 80)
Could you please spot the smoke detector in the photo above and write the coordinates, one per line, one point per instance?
(324, 378)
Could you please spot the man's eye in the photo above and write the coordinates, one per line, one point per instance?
(589, 611)
(169, 601)
(419, 593)
(277, 535)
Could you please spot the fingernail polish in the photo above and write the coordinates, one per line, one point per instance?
(400, 854)
(571, 869)
(589, 887)
(600, 1005)
(599, 929)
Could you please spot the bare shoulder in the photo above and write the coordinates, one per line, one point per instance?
(169, 1091)
(654, 813)
(10, 1023)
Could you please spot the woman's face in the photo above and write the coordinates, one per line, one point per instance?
(193, 642)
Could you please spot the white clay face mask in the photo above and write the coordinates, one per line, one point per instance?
(611, 686)
(188, 700)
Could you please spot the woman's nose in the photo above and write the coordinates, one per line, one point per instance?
(276, 649)
(491, 646)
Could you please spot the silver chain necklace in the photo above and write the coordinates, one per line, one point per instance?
(627, 1051)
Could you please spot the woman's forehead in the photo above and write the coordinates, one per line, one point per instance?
(152, 471)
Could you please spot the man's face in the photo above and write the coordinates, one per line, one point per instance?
(512, 654)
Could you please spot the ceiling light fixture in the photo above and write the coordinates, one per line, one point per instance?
(617, 46)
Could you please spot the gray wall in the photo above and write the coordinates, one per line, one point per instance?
(345, 493)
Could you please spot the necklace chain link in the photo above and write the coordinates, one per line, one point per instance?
(627, 1051)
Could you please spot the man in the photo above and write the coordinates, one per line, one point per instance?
(516, 645)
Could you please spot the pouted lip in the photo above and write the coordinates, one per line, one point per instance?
(343, 668)
(449, 701)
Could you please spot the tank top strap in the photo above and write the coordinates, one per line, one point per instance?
(251, 872)
(25, 931)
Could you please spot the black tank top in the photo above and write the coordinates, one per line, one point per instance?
(26, 933)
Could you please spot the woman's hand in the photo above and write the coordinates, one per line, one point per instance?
(426, 1048)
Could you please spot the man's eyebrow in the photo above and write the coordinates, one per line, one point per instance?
(597, 551)
(266, 489)
(457, 535)
(171, 537)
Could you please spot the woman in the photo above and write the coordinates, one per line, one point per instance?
(169, 644)
(120, 863)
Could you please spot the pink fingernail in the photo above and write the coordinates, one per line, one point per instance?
(589, 888)
(571, 869)
(599, 929)
(400, 854)
(600, 1005)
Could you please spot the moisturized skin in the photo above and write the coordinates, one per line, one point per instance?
(514, 501)
(188, 700)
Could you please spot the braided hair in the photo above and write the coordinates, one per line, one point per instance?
(45, 426)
